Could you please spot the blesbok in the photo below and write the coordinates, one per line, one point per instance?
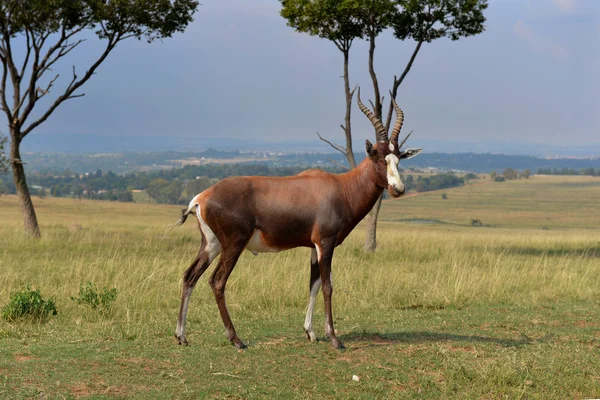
(313, 209)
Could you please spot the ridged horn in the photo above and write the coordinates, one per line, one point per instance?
(379, 128)
(397, 126)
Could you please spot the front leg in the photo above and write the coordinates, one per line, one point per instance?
(314, 287)
(325, 255)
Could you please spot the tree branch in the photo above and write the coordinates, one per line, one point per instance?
(73, 86)
(335, 146)
(26, 60)
(14, 73)
(47, 90)
(5, 107)
(339, 165)
(397, 83)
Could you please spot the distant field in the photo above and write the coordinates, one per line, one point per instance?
(538, 202)
(443, 309)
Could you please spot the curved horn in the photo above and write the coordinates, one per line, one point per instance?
(379, 128)
(398, 125)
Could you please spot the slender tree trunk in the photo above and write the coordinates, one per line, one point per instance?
(347, 127)
(378, 105)
(29, 218)
(371, 227)
(398, 81)
(371, 219)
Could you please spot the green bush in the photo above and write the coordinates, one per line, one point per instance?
(28, 304)
(99, 301)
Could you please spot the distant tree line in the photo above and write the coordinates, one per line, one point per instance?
(180, 185)
(171, 186)
(509, 174)
(569, 171)
(433, 182)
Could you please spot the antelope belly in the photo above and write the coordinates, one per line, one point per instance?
(257, 245)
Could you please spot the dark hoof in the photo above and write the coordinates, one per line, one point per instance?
(240, 346)
(311, 336)
(337, 345)
(182, 342)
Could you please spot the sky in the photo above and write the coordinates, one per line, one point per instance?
(240, 73)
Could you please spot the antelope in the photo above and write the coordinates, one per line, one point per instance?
(313, 209)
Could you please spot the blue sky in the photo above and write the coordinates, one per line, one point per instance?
(240, 72)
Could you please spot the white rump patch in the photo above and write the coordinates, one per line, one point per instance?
(256, 245)
(213, 246)
(393, 176)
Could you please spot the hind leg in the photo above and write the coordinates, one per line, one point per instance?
(209, 250)
(218, 281)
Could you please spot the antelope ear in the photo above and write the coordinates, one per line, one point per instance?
(409, 153)
(370, 150)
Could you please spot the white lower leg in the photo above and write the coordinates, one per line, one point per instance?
(180, 331)
(314, 290)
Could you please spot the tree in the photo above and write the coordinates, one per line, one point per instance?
(36, 34)
(421, 20)
(198, 185)
(164, 191)
(526, 174)
(510, 173)
(337, 21)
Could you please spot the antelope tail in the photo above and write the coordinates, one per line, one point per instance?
(184, 214)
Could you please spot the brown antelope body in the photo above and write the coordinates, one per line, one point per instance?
(314, 209)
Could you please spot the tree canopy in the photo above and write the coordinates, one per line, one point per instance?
(36, 34)
(335, 20)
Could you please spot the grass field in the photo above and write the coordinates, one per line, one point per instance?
(442, 309)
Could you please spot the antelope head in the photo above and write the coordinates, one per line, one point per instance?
(386, 154)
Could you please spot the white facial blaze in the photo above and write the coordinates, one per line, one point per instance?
(393, 176)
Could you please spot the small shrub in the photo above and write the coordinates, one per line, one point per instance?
(28, 304)
(476, 222)
(444, 196)
(100, 301)
(499, 179)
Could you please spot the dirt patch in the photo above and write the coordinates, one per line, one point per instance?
(100, 387)
(80, 389)
(23, 357)
(276, 341)
(586, 324)
(460, 349)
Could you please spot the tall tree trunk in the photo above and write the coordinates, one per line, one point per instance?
(371, 226)
(29, 218)
(347, 128)
(371, 219)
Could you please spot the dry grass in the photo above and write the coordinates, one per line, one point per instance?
(431, 271)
